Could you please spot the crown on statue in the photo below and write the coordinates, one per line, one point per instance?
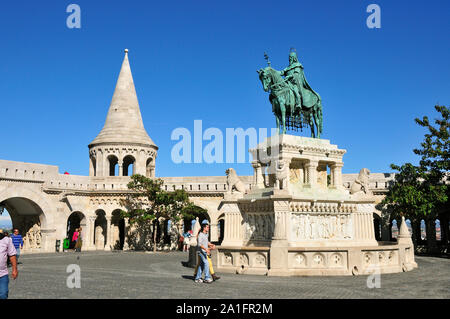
(292, 52)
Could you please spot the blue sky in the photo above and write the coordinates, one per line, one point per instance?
(197, 60)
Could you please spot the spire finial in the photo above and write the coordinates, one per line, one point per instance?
(126, 51)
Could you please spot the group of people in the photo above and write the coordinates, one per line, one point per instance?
(204, 263)
(9, 254)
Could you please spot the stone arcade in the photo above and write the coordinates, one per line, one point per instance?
(47, 206)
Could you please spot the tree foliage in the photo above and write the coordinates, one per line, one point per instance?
(422, 191)
(148, 202)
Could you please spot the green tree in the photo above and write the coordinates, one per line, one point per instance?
(148, 202)
(422, 191)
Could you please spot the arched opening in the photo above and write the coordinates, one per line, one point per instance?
(118, 230)
(409, 225)
(75, 221)
(423, 231)
(195, 212)
(129, 165)
(377, 226)
(438, 230)
(100, 230)
(221, 228)
(113, 165)
(150, 168)
(394, 230)
(5, 220)
(28, 217)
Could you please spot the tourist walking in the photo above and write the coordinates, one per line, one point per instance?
(75, 237)
(17, 241)
(6, 250)
(79, 241)
(203, 250)
(211, 269)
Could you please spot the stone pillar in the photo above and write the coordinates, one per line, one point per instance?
(90, 245)
(91, 167)
(152, 170)
(301, 175)
(126, 231)
(258, 178)
(279, 245)
(100, 166)
(214, 231)
(336, 175)
(120, 163)
(311, 173)
(48, 240)
(108, 233)
(233, 225)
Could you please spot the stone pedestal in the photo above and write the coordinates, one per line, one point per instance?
(312, 227)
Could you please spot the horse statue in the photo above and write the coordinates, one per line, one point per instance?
(291, 97)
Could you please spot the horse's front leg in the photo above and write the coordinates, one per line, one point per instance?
(278, 122)
(311, 125)
(316, 121)
(283, 117)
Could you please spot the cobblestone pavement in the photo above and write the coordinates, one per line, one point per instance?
(162, 275)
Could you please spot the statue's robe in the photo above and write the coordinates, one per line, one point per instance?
(309, 96)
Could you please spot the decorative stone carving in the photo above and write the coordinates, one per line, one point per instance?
(318, 260)
(243, 260)
(258, 226)
(336, 260)
(281, 174)
(260, 260)
(32, 229)
(300, 260)
(361, 184)
(227, 259)
(321, 226)
(233, 182)
(99, 238)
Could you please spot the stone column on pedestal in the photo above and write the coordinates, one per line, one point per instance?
(336, 175)
(120, 168)
(258, 178)
(233, 225)
(279, 244)
(108, 233)
(90, 241)
(311, 173)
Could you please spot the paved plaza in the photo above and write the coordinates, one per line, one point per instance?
(162, 275)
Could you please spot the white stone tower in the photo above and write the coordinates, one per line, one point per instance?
(123, 146)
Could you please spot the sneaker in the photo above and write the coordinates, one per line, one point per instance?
(208, 281)
(199, 280)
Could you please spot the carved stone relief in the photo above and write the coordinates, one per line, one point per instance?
(258, 226)
(321, 226)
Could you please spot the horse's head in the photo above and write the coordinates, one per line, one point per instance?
(265, 77)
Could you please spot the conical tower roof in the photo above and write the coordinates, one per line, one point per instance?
(124, 121)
